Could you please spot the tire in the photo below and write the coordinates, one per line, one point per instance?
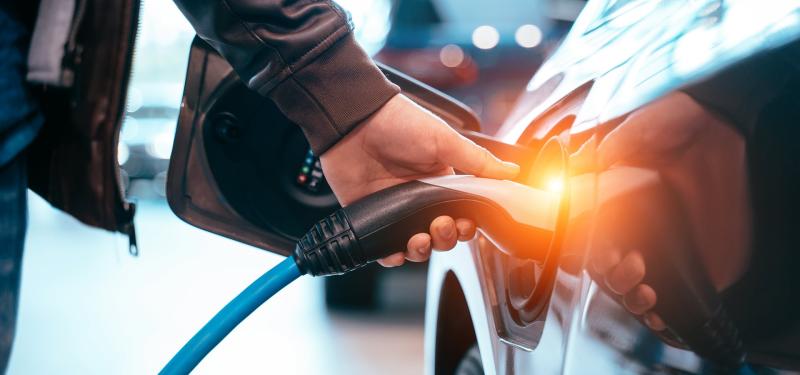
(470, 363)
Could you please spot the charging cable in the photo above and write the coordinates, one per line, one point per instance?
(379, 225)
(231, 315)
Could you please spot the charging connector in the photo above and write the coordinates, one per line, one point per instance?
(520, 219)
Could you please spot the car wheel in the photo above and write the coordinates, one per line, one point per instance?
(471, 363)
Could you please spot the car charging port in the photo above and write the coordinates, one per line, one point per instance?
(530, 282)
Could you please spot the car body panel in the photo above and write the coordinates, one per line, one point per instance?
(644, 58)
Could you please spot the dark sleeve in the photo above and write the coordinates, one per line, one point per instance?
(741, 92)
(299, 53)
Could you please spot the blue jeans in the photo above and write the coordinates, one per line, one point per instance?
(20, 117)
(20, 121)
(13, 222)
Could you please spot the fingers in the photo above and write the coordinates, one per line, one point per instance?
(418, 248)
(622, 142)
(619, 274)
(627, 274)
(606, 260)
(444, 233)
(583, 160)
(466, 229)
(624, 276)
(654, 322)
(654, 134)
(394, 260)
(641, 299)
(466, 156)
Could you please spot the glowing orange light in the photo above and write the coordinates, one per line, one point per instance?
(555, 184)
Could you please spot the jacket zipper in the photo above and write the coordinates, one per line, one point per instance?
(73, 51)
(128, 227)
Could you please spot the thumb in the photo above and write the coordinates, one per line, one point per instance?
(620, 144)
(584, 160)
(464, 155)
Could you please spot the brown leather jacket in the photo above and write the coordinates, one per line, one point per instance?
(301, 54)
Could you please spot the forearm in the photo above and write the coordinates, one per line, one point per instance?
(302, 55)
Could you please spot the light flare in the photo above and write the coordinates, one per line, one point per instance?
(555, 184)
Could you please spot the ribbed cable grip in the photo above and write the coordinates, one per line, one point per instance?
(329, 248)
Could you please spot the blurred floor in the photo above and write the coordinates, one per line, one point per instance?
(87, 307)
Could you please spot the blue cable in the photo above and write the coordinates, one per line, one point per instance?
(231, 315)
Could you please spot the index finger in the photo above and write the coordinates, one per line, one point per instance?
(653, 133)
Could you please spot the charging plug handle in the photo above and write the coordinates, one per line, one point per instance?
(380, 224)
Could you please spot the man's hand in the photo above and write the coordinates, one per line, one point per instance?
(403, 142)
(703, 159)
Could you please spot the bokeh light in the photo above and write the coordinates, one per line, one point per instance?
(485, 37)
(161, 147)
(451, 55)
(528, 36)
(123, 153)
